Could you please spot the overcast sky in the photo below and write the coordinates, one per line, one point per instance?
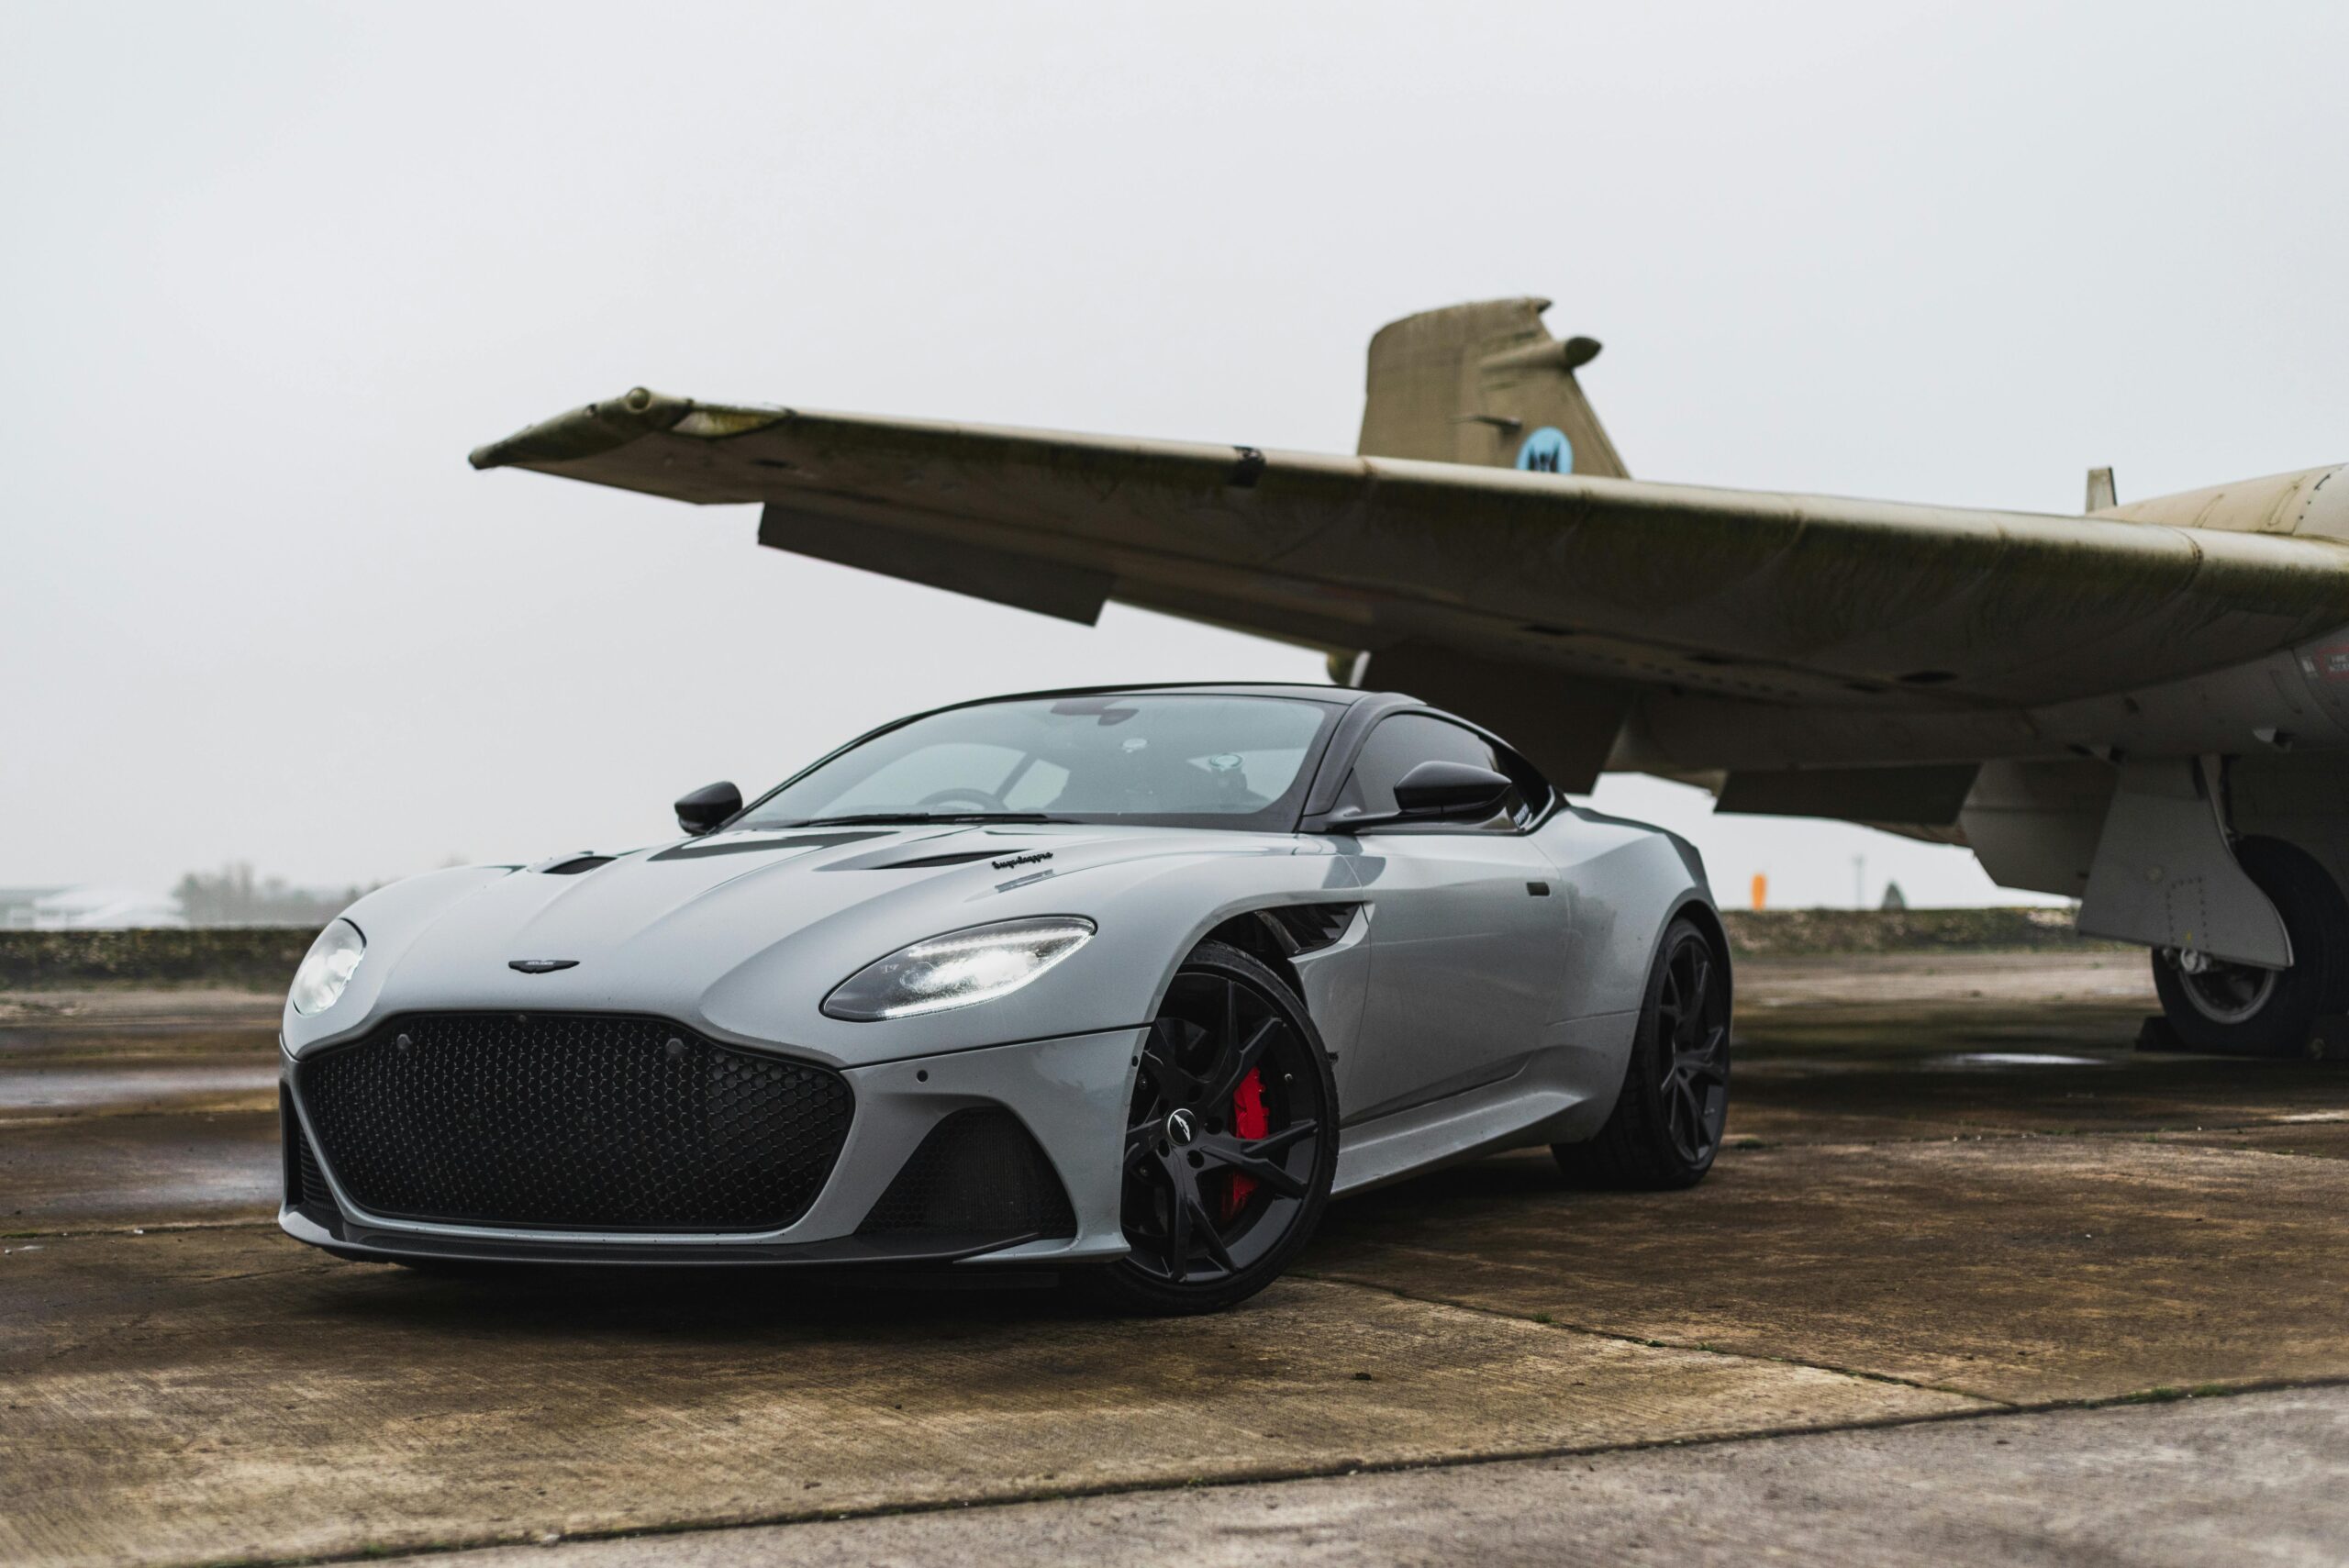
(267, 272)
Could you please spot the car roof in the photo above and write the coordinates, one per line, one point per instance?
(1304, 691)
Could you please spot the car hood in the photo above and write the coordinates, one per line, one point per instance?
(743, 933)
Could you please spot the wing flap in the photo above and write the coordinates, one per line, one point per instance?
(1023, 582)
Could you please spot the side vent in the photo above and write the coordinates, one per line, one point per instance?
(979, 1173)
(1308, 928)
(576, 864)
(306, 1184)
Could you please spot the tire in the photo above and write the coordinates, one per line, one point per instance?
(1666, 1128)
(2237, 1010)
(1232, 1141)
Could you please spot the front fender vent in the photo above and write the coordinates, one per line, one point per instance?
(1308, 927)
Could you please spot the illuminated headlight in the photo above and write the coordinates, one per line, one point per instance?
(958, 969)
(327, 967)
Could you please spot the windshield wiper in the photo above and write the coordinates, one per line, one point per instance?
(863, 819)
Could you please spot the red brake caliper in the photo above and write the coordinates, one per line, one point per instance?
(1248, 1120)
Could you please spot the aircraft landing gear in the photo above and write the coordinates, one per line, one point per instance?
(2242, 1010)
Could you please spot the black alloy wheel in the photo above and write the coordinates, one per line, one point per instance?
(1666, 1129)
(1692, 1028)
(1230, 1140)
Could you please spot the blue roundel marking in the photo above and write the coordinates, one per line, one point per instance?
(1547, 450)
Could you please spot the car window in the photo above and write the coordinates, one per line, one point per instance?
(1534, 791)
(1037, 785)
(949, 776)
(1407, 740)
(1172, 757)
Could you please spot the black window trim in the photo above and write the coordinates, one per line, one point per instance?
(1341, 742)
(1344, 749)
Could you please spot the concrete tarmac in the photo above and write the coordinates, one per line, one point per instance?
(2244, 1481)
(1958, 1213)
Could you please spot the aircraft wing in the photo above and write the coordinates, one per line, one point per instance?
(1774, 597)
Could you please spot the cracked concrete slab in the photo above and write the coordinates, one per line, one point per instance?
(208, 1394)
(2022, 1270)
(2254, 1480)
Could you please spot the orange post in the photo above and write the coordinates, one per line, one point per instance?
(1761, 891)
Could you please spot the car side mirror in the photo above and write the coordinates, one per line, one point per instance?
(1445, 792)
(707, 807)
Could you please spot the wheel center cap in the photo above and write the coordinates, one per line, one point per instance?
(1181, 1129)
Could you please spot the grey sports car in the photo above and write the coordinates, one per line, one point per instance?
(1124, 984)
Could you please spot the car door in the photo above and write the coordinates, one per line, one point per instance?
(1467, 935)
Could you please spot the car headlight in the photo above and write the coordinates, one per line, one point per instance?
(327, 967)
(957, 969)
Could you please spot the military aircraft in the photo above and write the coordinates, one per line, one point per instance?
(2145, 707)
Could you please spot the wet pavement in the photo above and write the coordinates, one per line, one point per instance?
(1954, 1195)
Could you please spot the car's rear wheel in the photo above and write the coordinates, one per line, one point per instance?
(1667, 1125)
(1231, 1140)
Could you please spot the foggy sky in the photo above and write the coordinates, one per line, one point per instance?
(270, 271)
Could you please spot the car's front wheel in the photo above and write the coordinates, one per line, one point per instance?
(1231, 1140)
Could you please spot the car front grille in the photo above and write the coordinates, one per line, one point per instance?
(573, 1121)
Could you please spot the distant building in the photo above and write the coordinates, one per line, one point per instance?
(17, 907)
(86, 909)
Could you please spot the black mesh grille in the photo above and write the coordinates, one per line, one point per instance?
(979, 1171)
(573, 1121)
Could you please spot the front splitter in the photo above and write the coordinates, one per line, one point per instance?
(347, 1238)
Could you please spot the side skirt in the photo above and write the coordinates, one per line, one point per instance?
(1551, 1100)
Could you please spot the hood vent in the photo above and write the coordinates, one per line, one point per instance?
(895, 857)
(694, 850)
(576, 864)
(960, 857)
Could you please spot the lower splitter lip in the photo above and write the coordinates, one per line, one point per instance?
(346, 1238)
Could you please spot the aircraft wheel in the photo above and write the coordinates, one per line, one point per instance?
(2242, 1010)
(1666, 1124)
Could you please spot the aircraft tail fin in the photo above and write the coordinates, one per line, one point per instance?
(1484, 384)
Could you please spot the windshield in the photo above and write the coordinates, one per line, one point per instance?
(1184, 760)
